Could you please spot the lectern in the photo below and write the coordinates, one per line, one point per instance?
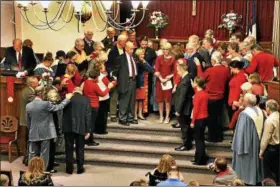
(13, 108)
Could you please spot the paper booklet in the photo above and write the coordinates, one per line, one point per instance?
(167, 85)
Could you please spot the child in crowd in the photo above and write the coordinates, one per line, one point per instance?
(193, 183)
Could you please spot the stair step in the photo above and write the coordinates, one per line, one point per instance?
(148, 127)
(136, 162)
(154, 140)
(150, 152)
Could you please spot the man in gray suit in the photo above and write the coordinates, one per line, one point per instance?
(41, 125)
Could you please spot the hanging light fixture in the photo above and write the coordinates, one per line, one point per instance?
(76, 8)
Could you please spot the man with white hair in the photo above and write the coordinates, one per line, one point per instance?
(215, 88)
(270, 144)
(246, 142)
(114, 53)
(89, 43)
(251, 40)
(110, 39)
(126, 70)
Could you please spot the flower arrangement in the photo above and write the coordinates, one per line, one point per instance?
(158, 20)
(231, 21)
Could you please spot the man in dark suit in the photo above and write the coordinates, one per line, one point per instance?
(190, 50)
(110, 39)
(19, 58)
(126, 70)
(115, 52)
(207, 50)
(183, 105)
(89, 43)
(76, 128)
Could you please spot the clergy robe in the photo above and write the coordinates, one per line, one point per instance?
(246, 146)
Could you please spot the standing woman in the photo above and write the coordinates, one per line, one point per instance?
(141, 91)
(104, 102)
(67, 79)
(233, 51)
(239, 77)
(164, 68)
(199, 118)
(183, 105)
(93, 92)
(44, 69)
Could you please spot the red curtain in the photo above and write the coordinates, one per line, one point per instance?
(208, 16)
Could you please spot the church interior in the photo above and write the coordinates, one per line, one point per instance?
(140, 93)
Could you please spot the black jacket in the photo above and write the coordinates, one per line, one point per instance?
(201, 60)
(88, 47)
(183, 96)
(192, 69)
(108, 43)
(150, 56)
(121, 71)
(112, 57)
(28, 59)
(77, 115)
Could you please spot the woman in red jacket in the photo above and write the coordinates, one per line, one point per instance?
(239, 77)
(199, 117)
(92, 90)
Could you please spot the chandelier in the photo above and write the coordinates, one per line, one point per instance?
(107, 11)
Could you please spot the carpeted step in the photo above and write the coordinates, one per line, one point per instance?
(136, 162)
(151, 152)
(154, 141)
(148, 127)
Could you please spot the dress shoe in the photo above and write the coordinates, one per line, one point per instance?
(124, 123)
(175, 125)
(182, 148)
(113, 119)
(193, 161)
(52, 171)
(134, 122)
(70, 172)
(81, 171)
(93, 144)
(141, 118)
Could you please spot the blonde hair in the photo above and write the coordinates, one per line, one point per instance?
(182, 65)
(165, 163)
(35, 168)
(167, 45)
(162, 42)
(102, 57)
(4, 180)
(71, 69)
(122, 37)
(139, 51)
(254, 78)
(244, 45)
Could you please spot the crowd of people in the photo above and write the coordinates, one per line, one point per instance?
(125, 79)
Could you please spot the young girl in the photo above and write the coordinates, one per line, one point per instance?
(200, 114)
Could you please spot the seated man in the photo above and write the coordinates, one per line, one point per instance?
(19, 58)
(225, 174)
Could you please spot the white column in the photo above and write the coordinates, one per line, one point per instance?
(276, 30)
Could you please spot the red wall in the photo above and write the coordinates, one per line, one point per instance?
(208, 16)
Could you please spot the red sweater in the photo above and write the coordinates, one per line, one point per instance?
(92, 91)
(263, 63)
(69, 84)
(200, 105)
(235, 86)
(216, 78)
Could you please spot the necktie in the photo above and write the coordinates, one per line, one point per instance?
(19, 61)
(132, 66)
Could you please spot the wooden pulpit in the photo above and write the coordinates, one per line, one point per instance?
(13, 108)
(273, 89)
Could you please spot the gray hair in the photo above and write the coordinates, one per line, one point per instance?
(77, 41)
(87, 31)
(98, 44)
(217, 57)
(122, 37)
(31, 80)
(272, 105)
(251, 98)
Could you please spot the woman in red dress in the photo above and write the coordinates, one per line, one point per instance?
(164, 68)
(235, 83)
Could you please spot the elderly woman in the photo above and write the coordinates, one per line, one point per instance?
(246, 53)
(215, 88)
(183, 104)
(35, 175)
(233, 51)
(141, 91)
(98, 53)
(270, 142)
(164, 67)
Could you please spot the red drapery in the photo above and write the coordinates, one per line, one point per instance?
(208, 16)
